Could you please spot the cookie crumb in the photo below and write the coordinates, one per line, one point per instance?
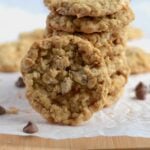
(2, 110)
(30, 128)
(141, 91)
(20, 83)
(12, 110)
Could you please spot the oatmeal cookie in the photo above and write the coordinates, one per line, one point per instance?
(84, 8)
(134, 33)
(97, 39)
(138, 60)
(108, 43)
(34, 35)
(12, 53)
(8, 59)
(111, 45)
(68, 79)
(110, 23)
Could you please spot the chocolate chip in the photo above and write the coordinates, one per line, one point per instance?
(139, 86)
(30, 128)
(2, 110)
(20, 83)
(141, 91)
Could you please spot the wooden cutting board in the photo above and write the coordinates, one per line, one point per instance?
(8, 142)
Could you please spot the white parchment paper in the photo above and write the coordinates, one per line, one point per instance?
(128, 116)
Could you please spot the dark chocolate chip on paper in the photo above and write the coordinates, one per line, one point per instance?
(2, 110)
(141, 91)
(30, 128)
(20, 83)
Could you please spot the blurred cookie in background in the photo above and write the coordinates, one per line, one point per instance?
(12, 53)
(138, 60)
(134, 33)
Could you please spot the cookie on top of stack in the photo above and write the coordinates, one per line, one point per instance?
(81, 66)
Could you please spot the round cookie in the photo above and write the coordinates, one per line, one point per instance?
(71, 24)
(83, 8)
(68, 79)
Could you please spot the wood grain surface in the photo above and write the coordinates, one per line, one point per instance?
(9, 142)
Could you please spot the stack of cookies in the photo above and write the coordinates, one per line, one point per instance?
(81, 66)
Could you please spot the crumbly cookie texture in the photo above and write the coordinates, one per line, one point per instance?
(82, 8)
(134, 33)
(118, 78)
(138, 60)
(68, 79)
(97, 39)
(12, 53)
(71, 24)
(108, 43)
